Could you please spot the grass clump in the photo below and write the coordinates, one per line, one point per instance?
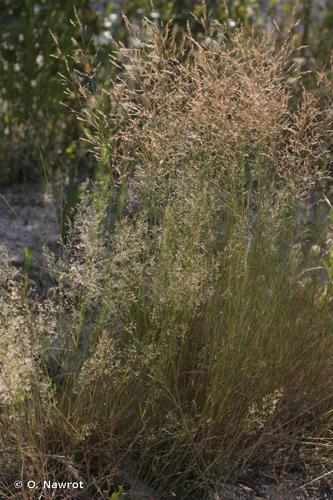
(185, 330)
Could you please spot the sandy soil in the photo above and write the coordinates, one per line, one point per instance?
(27, 219)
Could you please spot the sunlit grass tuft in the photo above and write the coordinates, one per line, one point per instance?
(185, 331)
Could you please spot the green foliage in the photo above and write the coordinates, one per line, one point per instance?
(32, 116)
(27, 254)
(118, 495)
